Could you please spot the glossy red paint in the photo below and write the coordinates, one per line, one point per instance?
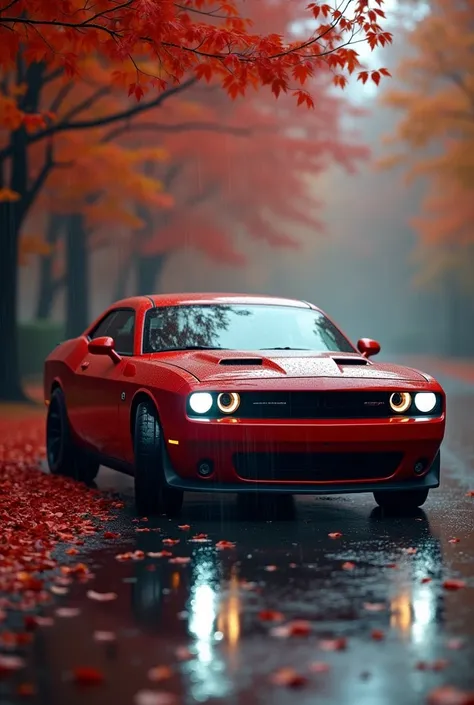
(101, 397)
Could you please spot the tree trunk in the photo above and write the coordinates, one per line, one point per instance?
(148, 269)
(77, 269)
(12, 215)
(10, 382)
(48, 287)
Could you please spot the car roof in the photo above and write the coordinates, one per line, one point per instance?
(220, 298)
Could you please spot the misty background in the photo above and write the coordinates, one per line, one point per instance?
(362, 266)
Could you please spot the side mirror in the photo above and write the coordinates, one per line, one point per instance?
(368, 347)
(104, 346)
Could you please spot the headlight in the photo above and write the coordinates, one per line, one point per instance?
(400, 402)
(425, 401)
(201, 402)
(228, 402)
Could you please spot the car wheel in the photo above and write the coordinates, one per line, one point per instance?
(152, 494)
(401, 501)
(63, 456)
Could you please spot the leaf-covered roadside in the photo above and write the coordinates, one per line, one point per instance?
(38, 512)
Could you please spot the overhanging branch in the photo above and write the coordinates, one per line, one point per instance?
(130, 113)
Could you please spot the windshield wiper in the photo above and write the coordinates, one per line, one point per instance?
(285, 348)
(192, 347)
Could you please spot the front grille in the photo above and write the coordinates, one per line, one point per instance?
(315, 405)
(316, 467)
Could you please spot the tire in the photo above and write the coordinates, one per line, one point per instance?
(152, 494)
(401, 501)
(63, 456)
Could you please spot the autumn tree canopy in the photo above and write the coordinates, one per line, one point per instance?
(161, 41)
(434, 139)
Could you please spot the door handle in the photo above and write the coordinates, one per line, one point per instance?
(84, 365)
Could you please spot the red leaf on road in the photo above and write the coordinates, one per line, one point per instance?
(319, 667)
(160, 673)
(449, 695)
(87, 675)
(289, 678)
(335, 535)
(438, 665)
(111, 535)
(454, 540)
(101, 596)
(423, 581)
(377, 635)
(171, 542)
(184, 527)
(223, 545)
(180, 560)
(454, 584)
(348, 565)
(270, 616)
(338, 644)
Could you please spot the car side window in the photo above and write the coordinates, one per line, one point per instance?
(119, 325)
(102, 329)
(122, 330)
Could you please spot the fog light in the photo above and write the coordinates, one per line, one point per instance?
(420, 466)
(205, 468)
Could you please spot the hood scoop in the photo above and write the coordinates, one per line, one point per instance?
(241, 361)
(346, 361)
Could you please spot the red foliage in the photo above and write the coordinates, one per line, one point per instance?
(207, 38)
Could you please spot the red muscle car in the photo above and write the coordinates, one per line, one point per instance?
(243, 394)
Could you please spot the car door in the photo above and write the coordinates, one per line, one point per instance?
(98, 385)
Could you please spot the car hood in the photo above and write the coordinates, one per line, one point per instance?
(221, 365)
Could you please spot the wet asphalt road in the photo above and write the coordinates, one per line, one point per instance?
(212, 604)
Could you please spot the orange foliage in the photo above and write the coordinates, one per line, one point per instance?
(436, 131)
(207, 38)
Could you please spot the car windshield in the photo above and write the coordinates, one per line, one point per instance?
(240, 327)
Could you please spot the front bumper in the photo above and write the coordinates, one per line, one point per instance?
(222, 442)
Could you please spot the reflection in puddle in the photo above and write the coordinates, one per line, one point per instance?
(417, 607)
(207, 671)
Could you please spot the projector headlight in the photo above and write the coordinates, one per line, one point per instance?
(201, 402)
(425, 401)
(228, 402)
(400, 402)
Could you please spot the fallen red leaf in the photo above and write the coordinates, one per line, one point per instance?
(270, 616)
(454, 540)
(454, 584)
(335, 535)
(410, 551)
(423, 581)
(180, 560)
(222, 545)
(377, 635)
(159, 554)
(87, 675)
(271, 568)
(160, 673)
(438, 665)
(101, 596)
(9, 664)
(111, 535)
(289, 678)
(171, 542)
(338, 644)
(449, 695)
(184, 527)
(348, 565)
